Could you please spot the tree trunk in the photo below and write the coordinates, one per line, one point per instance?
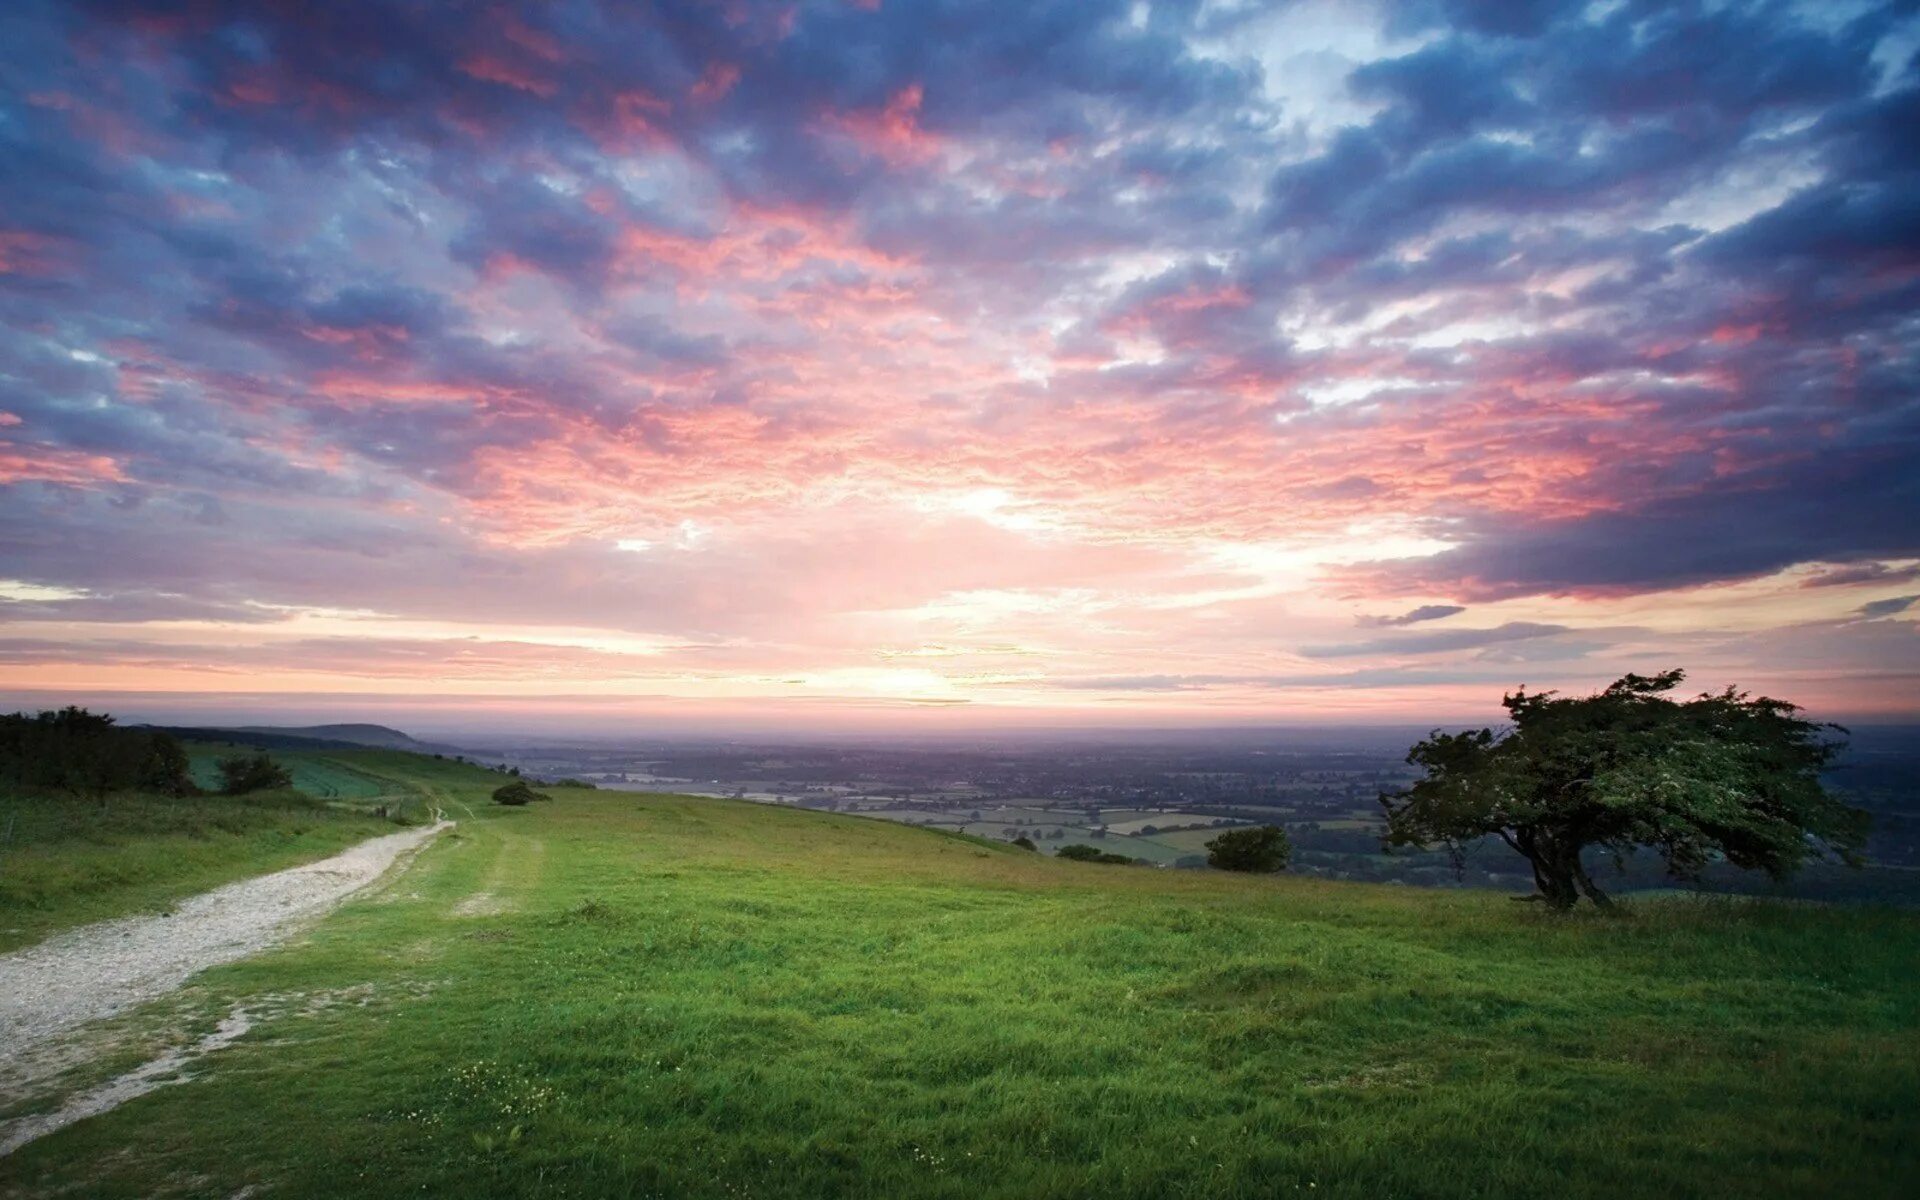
(1551, 871)
(1599, 898)
(1555, 888)
(1555, 882)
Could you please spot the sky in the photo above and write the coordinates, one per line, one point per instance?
(933, 365)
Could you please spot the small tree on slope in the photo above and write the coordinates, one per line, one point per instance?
(1261, 850)
(1723, 775)
(245, 773)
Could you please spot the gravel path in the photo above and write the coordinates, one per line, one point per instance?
(93, 972)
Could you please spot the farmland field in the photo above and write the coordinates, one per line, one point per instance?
(325, 775)
(1011, 815)
(1151, 849)
(408, 782)
(1189, 841)
(1112, 817)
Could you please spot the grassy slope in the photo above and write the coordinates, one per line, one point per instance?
(357, 776)
(677, 997)
(69, 862)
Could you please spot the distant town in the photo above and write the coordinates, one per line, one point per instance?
(1161, 797)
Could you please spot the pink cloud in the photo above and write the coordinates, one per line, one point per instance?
(590, 316)
(715, 82)
(491, 69)
(23, 252)
(892, 132)
(46, 464)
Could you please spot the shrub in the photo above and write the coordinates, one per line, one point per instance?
(594, 910)
(517, 793)
(1262, 850)
(245, 773)
(1025, 843)
(1083, 853)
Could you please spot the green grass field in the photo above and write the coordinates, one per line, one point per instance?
(636, 995)
(370, 776)
(1188, 841)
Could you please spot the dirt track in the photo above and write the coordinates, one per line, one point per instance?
(88, 974)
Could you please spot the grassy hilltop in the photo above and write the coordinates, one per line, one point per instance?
(627, 995)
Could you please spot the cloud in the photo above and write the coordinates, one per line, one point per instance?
(1543, 307)
(1426, 612)
(1729, 528)
(1439, 642)
(1886, 608)
(1861, 573)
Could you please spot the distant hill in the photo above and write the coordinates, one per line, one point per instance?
(379, 736)
(312, 737)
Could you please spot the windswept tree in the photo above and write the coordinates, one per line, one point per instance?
(1722, 777)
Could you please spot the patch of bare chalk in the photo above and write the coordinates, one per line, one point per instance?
(480, 904)
(169, 1067)
(166, 1069)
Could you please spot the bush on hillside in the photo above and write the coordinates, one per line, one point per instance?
(85, 754)
(517, 793)
(1261, 850)
(1025, 843)
(1083, 853)
(245, 773)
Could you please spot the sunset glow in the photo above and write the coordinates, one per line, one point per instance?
(925, 365)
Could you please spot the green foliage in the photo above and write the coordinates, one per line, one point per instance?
(1080, 852)
(517, 793)
(166, 771)
(80, 753)
(1261, 850)
(244, 773)
(1025, 843)
(1724, 776)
